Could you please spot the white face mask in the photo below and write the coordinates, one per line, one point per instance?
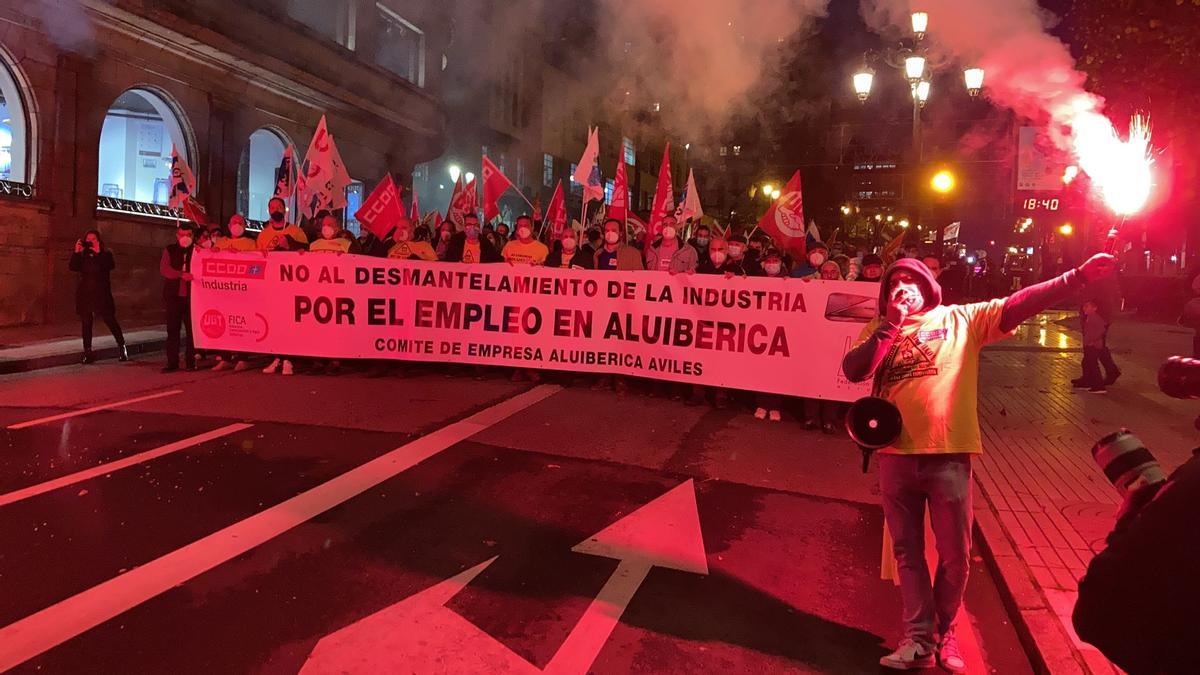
(327, 231)
(237, 230)
(815, 259)
(717, 257)
(568, 244)
(524, 232)
(668, 233)
(772, 268)
(611, 237)
(402, 235)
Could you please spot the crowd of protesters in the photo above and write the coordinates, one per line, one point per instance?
(610, 246)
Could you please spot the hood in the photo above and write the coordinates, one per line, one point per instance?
(930, 289)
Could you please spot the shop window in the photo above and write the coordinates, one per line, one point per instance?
(135, 148)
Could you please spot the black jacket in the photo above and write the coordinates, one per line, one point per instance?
(741, 268)
(580, 259)
(487, 252)
(1139, 602)
(178, 259)
(94, 293)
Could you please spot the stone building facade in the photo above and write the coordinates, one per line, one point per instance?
(96, 92)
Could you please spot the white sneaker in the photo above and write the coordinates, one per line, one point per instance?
(287, 367)
(949, 655)
(909, 656)
(222, 365)
(274, 366)
(760, 414)
(240, 366)
(774, 416)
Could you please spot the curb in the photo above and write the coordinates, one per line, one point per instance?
(73, 357)
(1041, 633)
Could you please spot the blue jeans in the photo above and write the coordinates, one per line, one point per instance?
(908, 483)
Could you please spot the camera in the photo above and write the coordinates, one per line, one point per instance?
(87, 245)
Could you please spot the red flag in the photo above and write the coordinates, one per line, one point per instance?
(471, 197)
(784, 220)
(556, 215)
(458, 205)
(619, 207)
(382, 209)
(664, 201)
(414, 214)
(537, 208)
(495, 184)
(195, 212)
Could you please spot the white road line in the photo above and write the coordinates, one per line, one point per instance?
(78, 476)
(43, 630)
(84, 411)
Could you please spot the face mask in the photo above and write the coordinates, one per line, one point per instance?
(277, 216)
(327, 231)
(816, 259)
(668, 233)
(524, 233)
(569, 244)
(611, 237)
(717, 257)
(207, 243)
(237, 230)
(702, 241)
(735, 252)
(185, 242)
(402, 235)
(472, 232)
(772, 268)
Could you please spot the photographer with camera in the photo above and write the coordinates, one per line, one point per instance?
(93, 296)
(1139, 602)
(925, 359)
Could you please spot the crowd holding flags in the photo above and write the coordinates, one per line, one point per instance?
(323, 179)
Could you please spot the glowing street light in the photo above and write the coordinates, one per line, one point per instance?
(1066, 229)
(767, 189)
(862, 83)
(921, 92)
(974, 79)
(469, 176)
(845, 210)
(890, 219)
(903, 223)
(455, 172)
(942, 182)
(1070, 174)
(775, 193)
(920, 24)
(914, 68)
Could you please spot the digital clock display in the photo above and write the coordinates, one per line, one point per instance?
(1035, 204)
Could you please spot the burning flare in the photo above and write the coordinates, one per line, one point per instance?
(1120, 170)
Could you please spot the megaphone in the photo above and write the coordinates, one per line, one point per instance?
(872, 423)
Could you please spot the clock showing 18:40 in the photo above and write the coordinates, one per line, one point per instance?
(1036, 204)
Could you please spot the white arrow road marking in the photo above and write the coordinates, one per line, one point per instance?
(420, 635)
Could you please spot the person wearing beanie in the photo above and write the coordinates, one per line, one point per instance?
(924, 356)
(817, 254)
(872, 268)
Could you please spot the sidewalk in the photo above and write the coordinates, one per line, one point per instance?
(25, 348)
(1046, 508)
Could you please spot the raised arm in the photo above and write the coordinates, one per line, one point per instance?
(1027, 302)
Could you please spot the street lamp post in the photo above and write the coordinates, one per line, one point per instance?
(918, 66)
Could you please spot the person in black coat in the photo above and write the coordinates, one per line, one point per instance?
(93, 297)
(463, 246)
(176, 270)
(568, 254)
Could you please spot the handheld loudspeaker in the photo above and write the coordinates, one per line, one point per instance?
(872, 423)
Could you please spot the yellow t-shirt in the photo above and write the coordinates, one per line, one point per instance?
(269, 235)
(335, 245)
(470, 251)
(412, 249)
(237, 244)
(931, 373)
(518, 253)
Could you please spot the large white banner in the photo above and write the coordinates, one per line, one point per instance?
(784, 336)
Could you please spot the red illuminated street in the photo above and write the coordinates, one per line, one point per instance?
(441, 524)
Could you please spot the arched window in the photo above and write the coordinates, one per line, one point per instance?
(135, 148)
(14, 130)
(256, 172)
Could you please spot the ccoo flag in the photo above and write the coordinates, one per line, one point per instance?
(495, 183)
(183, 182)
(323, 179)
(556, 214)
(382, 209)
(784, 220)
(618, 208)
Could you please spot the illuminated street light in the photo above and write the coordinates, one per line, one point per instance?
(890, 219)
(921, 92)
(862, 83)
(768, 189)
(920, 24)
(914, 68)
(1070, 174)
(775, 193)
(1066, 229)
(469, 176)
(878, 217)
(845, 210)
(903, 223)
(455, 172)
(942, 182)
(974, 80)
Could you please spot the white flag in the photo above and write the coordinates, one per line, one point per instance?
(183, 182)
(813, 231)
(690, 208)
(322, 179)
(583, 170)
(952, 231)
